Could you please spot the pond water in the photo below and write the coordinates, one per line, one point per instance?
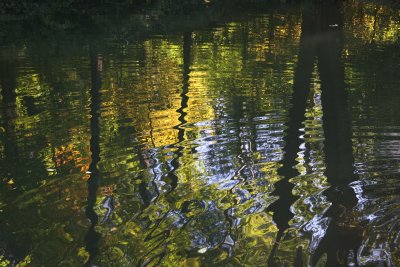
(260, 137)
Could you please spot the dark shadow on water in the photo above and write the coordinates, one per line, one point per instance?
(321, 43)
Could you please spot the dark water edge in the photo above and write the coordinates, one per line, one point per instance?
(231, 135)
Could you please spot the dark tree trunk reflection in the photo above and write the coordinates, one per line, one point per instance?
(283, 188)
(340, 238)
(92, 236)
(12, 250)
(161, 236)
(187, 43)
(321, 42)
(9, 113)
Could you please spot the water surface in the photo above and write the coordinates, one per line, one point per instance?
(264, 138)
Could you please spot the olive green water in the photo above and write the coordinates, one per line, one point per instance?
(258, 138)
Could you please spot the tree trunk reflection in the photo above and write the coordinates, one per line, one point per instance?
(321, 40)
(187, 43)
(92, 236)
(9, 113)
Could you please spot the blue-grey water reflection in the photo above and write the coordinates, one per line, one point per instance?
(269, 137)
